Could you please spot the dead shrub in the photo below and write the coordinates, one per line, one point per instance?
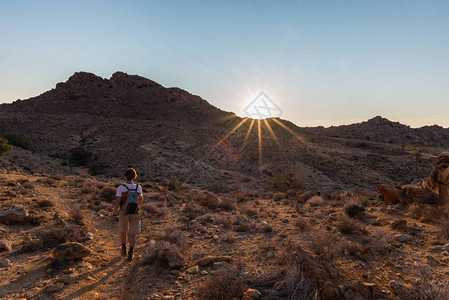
(28, 185)
(228, 237)
(173, 236)
(191, 211)
(264, 228)
(354, 210)
(279, 196)
(76, 213)
(154, 210)
(444, 225)
(209, 201)
(51, 237)
(249, 211)
(226, 204)
(346, 225)
(431, 214)
(241, 196)
(224, 284)
(302, 223)
(87, 188)
(322, 243)
(416, 211)
(242, 224)
(156, 255)
(380, 243)
(45, 203)
(108, 193)
(316, 201)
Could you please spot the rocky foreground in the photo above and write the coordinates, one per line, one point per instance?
(56, 241)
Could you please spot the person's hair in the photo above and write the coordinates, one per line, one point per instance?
(130, 174)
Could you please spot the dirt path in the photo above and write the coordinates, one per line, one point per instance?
(102, 275)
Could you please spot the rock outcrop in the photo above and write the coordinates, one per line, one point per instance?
(430, 191)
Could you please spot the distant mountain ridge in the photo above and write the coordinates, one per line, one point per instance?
(128, 120)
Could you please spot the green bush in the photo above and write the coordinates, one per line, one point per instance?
(282, 182)
(17, 140)
(4, 147)
(80, 155)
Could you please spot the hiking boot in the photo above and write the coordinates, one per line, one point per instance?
(130, 256)
(123, 251)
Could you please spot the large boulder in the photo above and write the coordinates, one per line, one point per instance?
(71, 250)
(418, 194)
(14, 216)
(392, 195)
(438, 180)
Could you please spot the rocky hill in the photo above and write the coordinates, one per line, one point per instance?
(167, 132)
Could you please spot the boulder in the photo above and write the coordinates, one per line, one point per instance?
(399, 290)
(438, 180)
(400, 224)
(209, 260)
(14, 216)
(403, 238)
(418, 194)
(5, 246)
(251, 294)
(71, 250)
(391, 195)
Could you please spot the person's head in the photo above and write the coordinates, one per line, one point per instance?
(130, 174)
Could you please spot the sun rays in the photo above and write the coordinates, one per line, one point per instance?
(239, 138)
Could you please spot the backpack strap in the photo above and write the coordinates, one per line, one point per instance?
(126, 187)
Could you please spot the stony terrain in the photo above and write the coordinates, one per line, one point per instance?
(199, 245)
(348, 212)
(167, 132)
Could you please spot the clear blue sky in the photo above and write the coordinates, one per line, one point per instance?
(323, 62)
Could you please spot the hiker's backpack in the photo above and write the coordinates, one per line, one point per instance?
(130, 200)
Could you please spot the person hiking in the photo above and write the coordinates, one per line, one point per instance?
(128, 199)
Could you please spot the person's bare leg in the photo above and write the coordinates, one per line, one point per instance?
(123, 238)
(132, 240)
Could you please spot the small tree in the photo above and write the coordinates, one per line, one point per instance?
(282, 182)
(17, 141)
(4, 147)
(80, 155)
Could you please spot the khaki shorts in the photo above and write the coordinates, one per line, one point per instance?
(129, 223)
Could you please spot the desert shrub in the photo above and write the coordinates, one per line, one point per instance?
(173, 236)
(242, 224)
(80, 155)
(228, 237)
(156, 255)
(380, 242)
(209, 201)
(264, 228)
(431, 214)
(218, 187)
(444, 225)
(174, 184)
(241, 196)
(354, 210)
(47, 180)
(28, 185)
(416, 153)
(346, 225)
(282, 182)
(249, 211)
(95, 168)
(17, 141)
(76, 213)
(88, 188)
(108, 193)
(51, 237)
(416, 211)
(302, 223)
(46, 203)
(224, 284)
(226, 204)
(426, 288)
(154, 210)
(322, 243)
(191, 211)
(4, 147)
(316, 201)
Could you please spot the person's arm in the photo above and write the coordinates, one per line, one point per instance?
(115, 212)
(140, 193)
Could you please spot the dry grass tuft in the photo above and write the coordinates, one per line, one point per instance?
(173, 236)
(347, 225)
(76, 213)
(108, 193)
(224, 284)
(154, 210)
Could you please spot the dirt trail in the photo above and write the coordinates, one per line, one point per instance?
(103, 275)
